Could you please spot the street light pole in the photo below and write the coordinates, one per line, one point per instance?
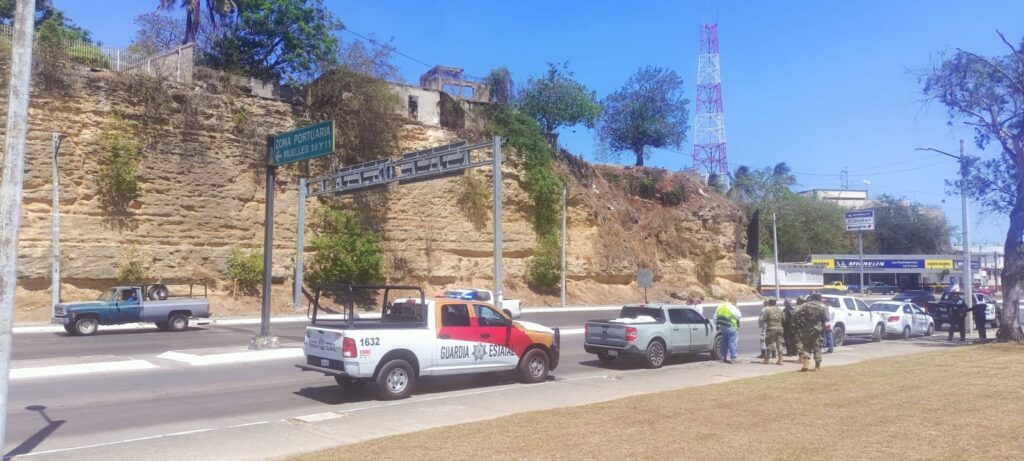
(967, 282)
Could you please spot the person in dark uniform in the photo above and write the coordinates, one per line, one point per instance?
(979, 321)
(957, 318)
(787, 329)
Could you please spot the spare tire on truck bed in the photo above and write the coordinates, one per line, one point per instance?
(157, 292)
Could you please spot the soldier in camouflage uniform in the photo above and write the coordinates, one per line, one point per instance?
(771, 318)
(808, 320)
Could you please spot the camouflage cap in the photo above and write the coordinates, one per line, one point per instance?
(772, 301)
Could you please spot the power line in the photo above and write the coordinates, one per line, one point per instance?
(393, 48)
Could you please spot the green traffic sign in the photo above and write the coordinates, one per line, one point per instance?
(304, 143)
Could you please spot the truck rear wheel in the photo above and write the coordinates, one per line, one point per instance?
(177, 322)
(533, 368)
(655, 354)
(395, 380)
(86, 326)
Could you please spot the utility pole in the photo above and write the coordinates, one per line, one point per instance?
(11, 187)
(967, 282)
(775, 243)
(565, 202)
(55, 266)
(499, 292)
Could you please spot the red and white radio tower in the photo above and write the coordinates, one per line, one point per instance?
(709, 117)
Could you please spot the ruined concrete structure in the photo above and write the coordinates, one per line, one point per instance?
(453, 81)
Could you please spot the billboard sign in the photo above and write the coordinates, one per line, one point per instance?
(860, 220)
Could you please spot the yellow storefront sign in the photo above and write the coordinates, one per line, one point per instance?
(831, 263)
(938, 264)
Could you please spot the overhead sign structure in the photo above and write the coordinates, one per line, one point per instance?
(415, 166)
(860, 220)
(308, 142)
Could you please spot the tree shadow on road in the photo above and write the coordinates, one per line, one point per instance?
(42, 434)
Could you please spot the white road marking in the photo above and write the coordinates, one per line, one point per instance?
(233, 357)
(318, 417)
(80, 368)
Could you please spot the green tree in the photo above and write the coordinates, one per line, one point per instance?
(363, 109)
(47, 13)
(557, 100)
(245, 268)
(276, 39)
(648, 111)
(987, 94)
(499, 80)
(119, 166)
(343, 252)
(373, 60)
(157, 32)
(903, 228)
(754, 187)
(132, 268)
(215, 10)
(805, 226)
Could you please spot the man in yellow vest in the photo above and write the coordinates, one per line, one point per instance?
(727, 319)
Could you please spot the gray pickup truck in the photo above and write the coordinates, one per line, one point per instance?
(652, 331)
(126, 304)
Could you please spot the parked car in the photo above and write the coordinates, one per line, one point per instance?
(836, 286)
(417, 337)
(904, 318)
(941, 310)
(652, 331)
(986, 290)
(881, 288)
(509, 306)
(852, 317)
(923, 298)
(126, 304)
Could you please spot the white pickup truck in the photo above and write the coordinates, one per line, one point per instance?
(852, 317)
(509, 306)
(652, 332)
(419, 337)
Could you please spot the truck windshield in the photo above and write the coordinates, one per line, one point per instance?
(632, 312)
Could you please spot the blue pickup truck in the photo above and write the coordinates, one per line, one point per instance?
(131, 304)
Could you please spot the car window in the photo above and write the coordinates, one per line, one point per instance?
(834, 302)
(884, 307)
(849, 304)
(907, 310)
(482, 296)
(692, 316)
(455, 315)
(918, 310)
(632, 312)
(676, 316)
(861, 305)
(487, 317)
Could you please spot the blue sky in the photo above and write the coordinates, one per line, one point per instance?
(821, 85)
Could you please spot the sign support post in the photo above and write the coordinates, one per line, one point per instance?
(860, 246)
(499, 292)
(264, 340)
(300, 244)
(304, 143)
(860, 221)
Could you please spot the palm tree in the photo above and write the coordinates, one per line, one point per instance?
(746, 185)
(193, 12)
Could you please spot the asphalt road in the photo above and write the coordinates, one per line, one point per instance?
(149, 341)
(81, 410)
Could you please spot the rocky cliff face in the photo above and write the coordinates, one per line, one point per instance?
(201, 191)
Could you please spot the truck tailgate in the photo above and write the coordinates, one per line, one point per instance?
(606, 334)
